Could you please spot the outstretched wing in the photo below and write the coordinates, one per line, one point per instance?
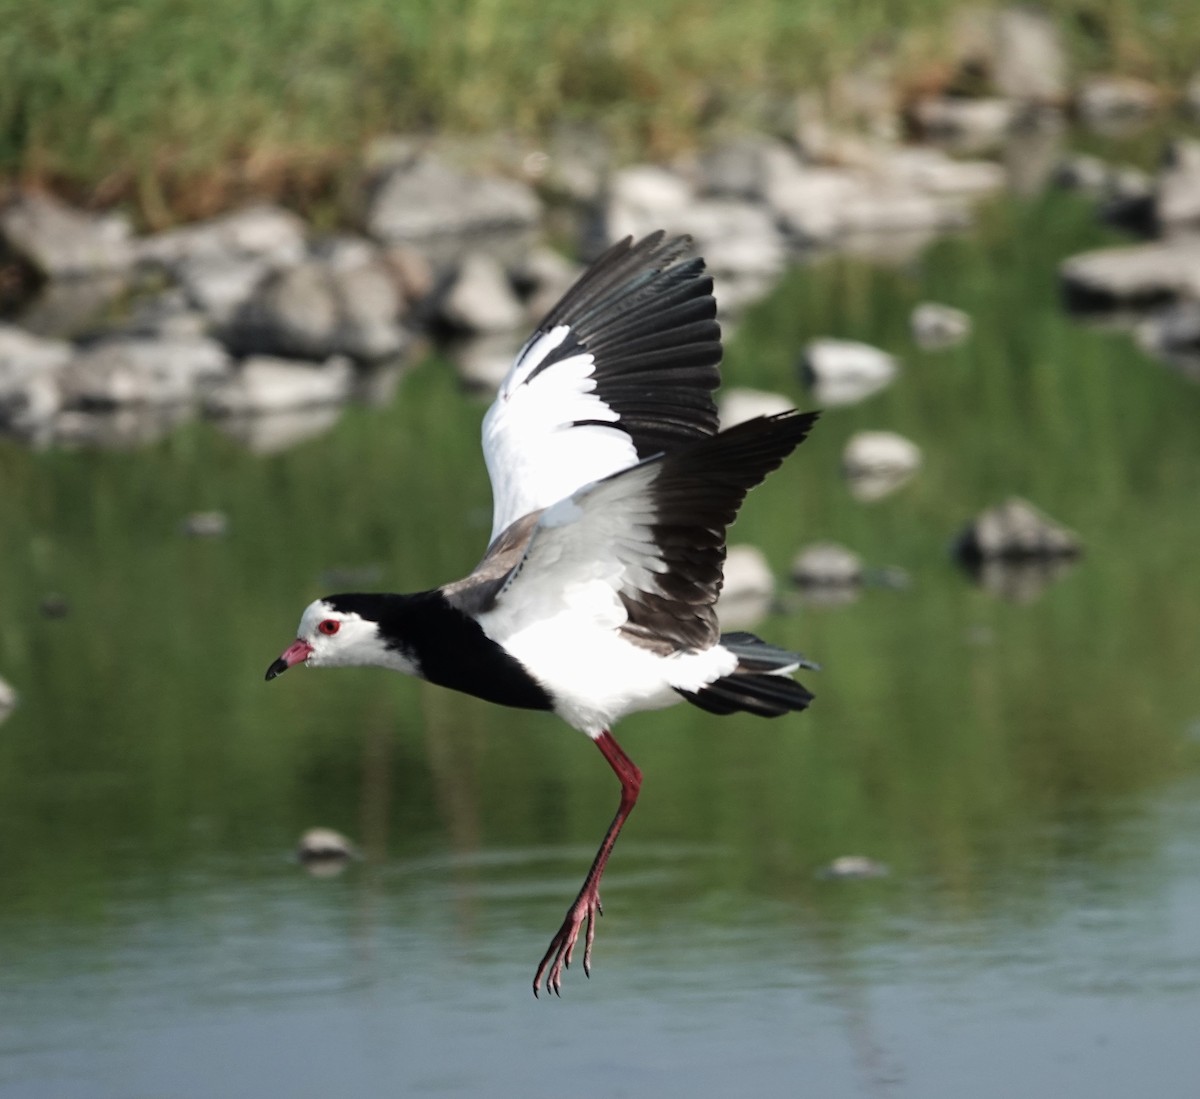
(642, 550)
(623, 367)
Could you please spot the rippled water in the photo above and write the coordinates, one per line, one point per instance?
(1027, 770)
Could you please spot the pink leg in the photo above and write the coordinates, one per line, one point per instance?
(587, 904)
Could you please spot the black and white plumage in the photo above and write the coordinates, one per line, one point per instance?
(612, 493)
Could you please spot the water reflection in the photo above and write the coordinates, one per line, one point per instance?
(1020, 767)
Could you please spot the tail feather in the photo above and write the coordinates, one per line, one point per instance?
(759, 685)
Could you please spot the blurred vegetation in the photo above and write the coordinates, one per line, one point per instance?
(183, 103)
(981, 748)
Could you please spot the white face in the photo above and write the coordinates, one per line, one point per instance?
(330, 638)
(339, 638)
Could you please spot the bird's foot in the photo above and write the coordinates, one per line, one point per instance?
(558, 955)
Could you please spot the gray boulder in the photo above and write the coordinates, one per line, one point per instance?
(134, 371)
(29, 368)
(1177, 199)
(826, 564)
(745, 168)
(1116, 105)
(877, 463)
(1173, 335)
(8, 699)
(421, 198)
(483, 362)
(1028, 61)
(262, 384)
(748, 590)
(480, 299)
(218, 285)
(936, 326)
(61, 242)
(1135, 275)
(541, 277)
(1015, 530)
(269, 233)
(738, 404)
(643, 198)
(966, 125)
(841, 372)
(316, 309)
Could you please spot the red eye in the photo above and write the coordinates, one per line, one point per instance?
(330, 626)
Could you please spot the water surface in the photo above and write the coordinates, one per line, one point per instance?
(1026, 769)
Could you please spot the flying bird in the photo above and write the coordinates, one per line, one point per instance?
(612, 491)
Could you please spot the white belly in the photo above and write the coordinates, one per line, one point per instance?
(596, 676)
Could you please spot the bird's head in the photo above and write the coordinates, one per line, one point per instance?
(333, 632)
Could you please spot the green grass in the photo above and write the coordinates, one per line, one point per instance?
(182, 104)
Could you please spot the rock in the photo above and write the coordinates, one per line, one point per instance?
(1136, 275)
(854, 868)
(808, 201)
(1028, 62)
(54, 605)
(738, 241)
(739, 404)
(826, 564)
(218, 285)
(541, 278)
(29, 391)
(1033, 151)
(325, 853)
(421, 198)
(892, 209)
(1130, 200)
(131, 371)
(1173, 335)
(341, 306)
(205, 524)
(1191, 97)
(936, 326)
(272, 432)
(643, 198)
(61, 242)
(324, 843)
(68, 307)
(1116, 105)
(740, 168)
(1015, 530)
(412, 271)
(966, 125)
(269, 233)
(167, 315)
(8, 699)
(842, 372)
(482, 363)
(1084, 172)
(930, 171)
(748, 589)
(876, 463)
(1177, 199)
(262, 384)
(480, 299)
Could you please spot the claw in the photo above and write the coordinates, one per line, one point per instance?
(561, 951)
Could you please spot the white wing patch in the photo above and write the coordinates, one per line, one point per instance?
(560, 611)
(585, 550)
(534, 452)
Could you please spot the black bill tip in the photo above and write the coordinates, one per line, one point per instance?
(278, 668)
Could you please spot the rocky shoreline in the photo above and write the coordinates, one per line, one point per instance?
(266, 324)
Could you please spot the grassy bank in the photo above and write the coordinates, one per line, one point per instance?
(172, 100)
